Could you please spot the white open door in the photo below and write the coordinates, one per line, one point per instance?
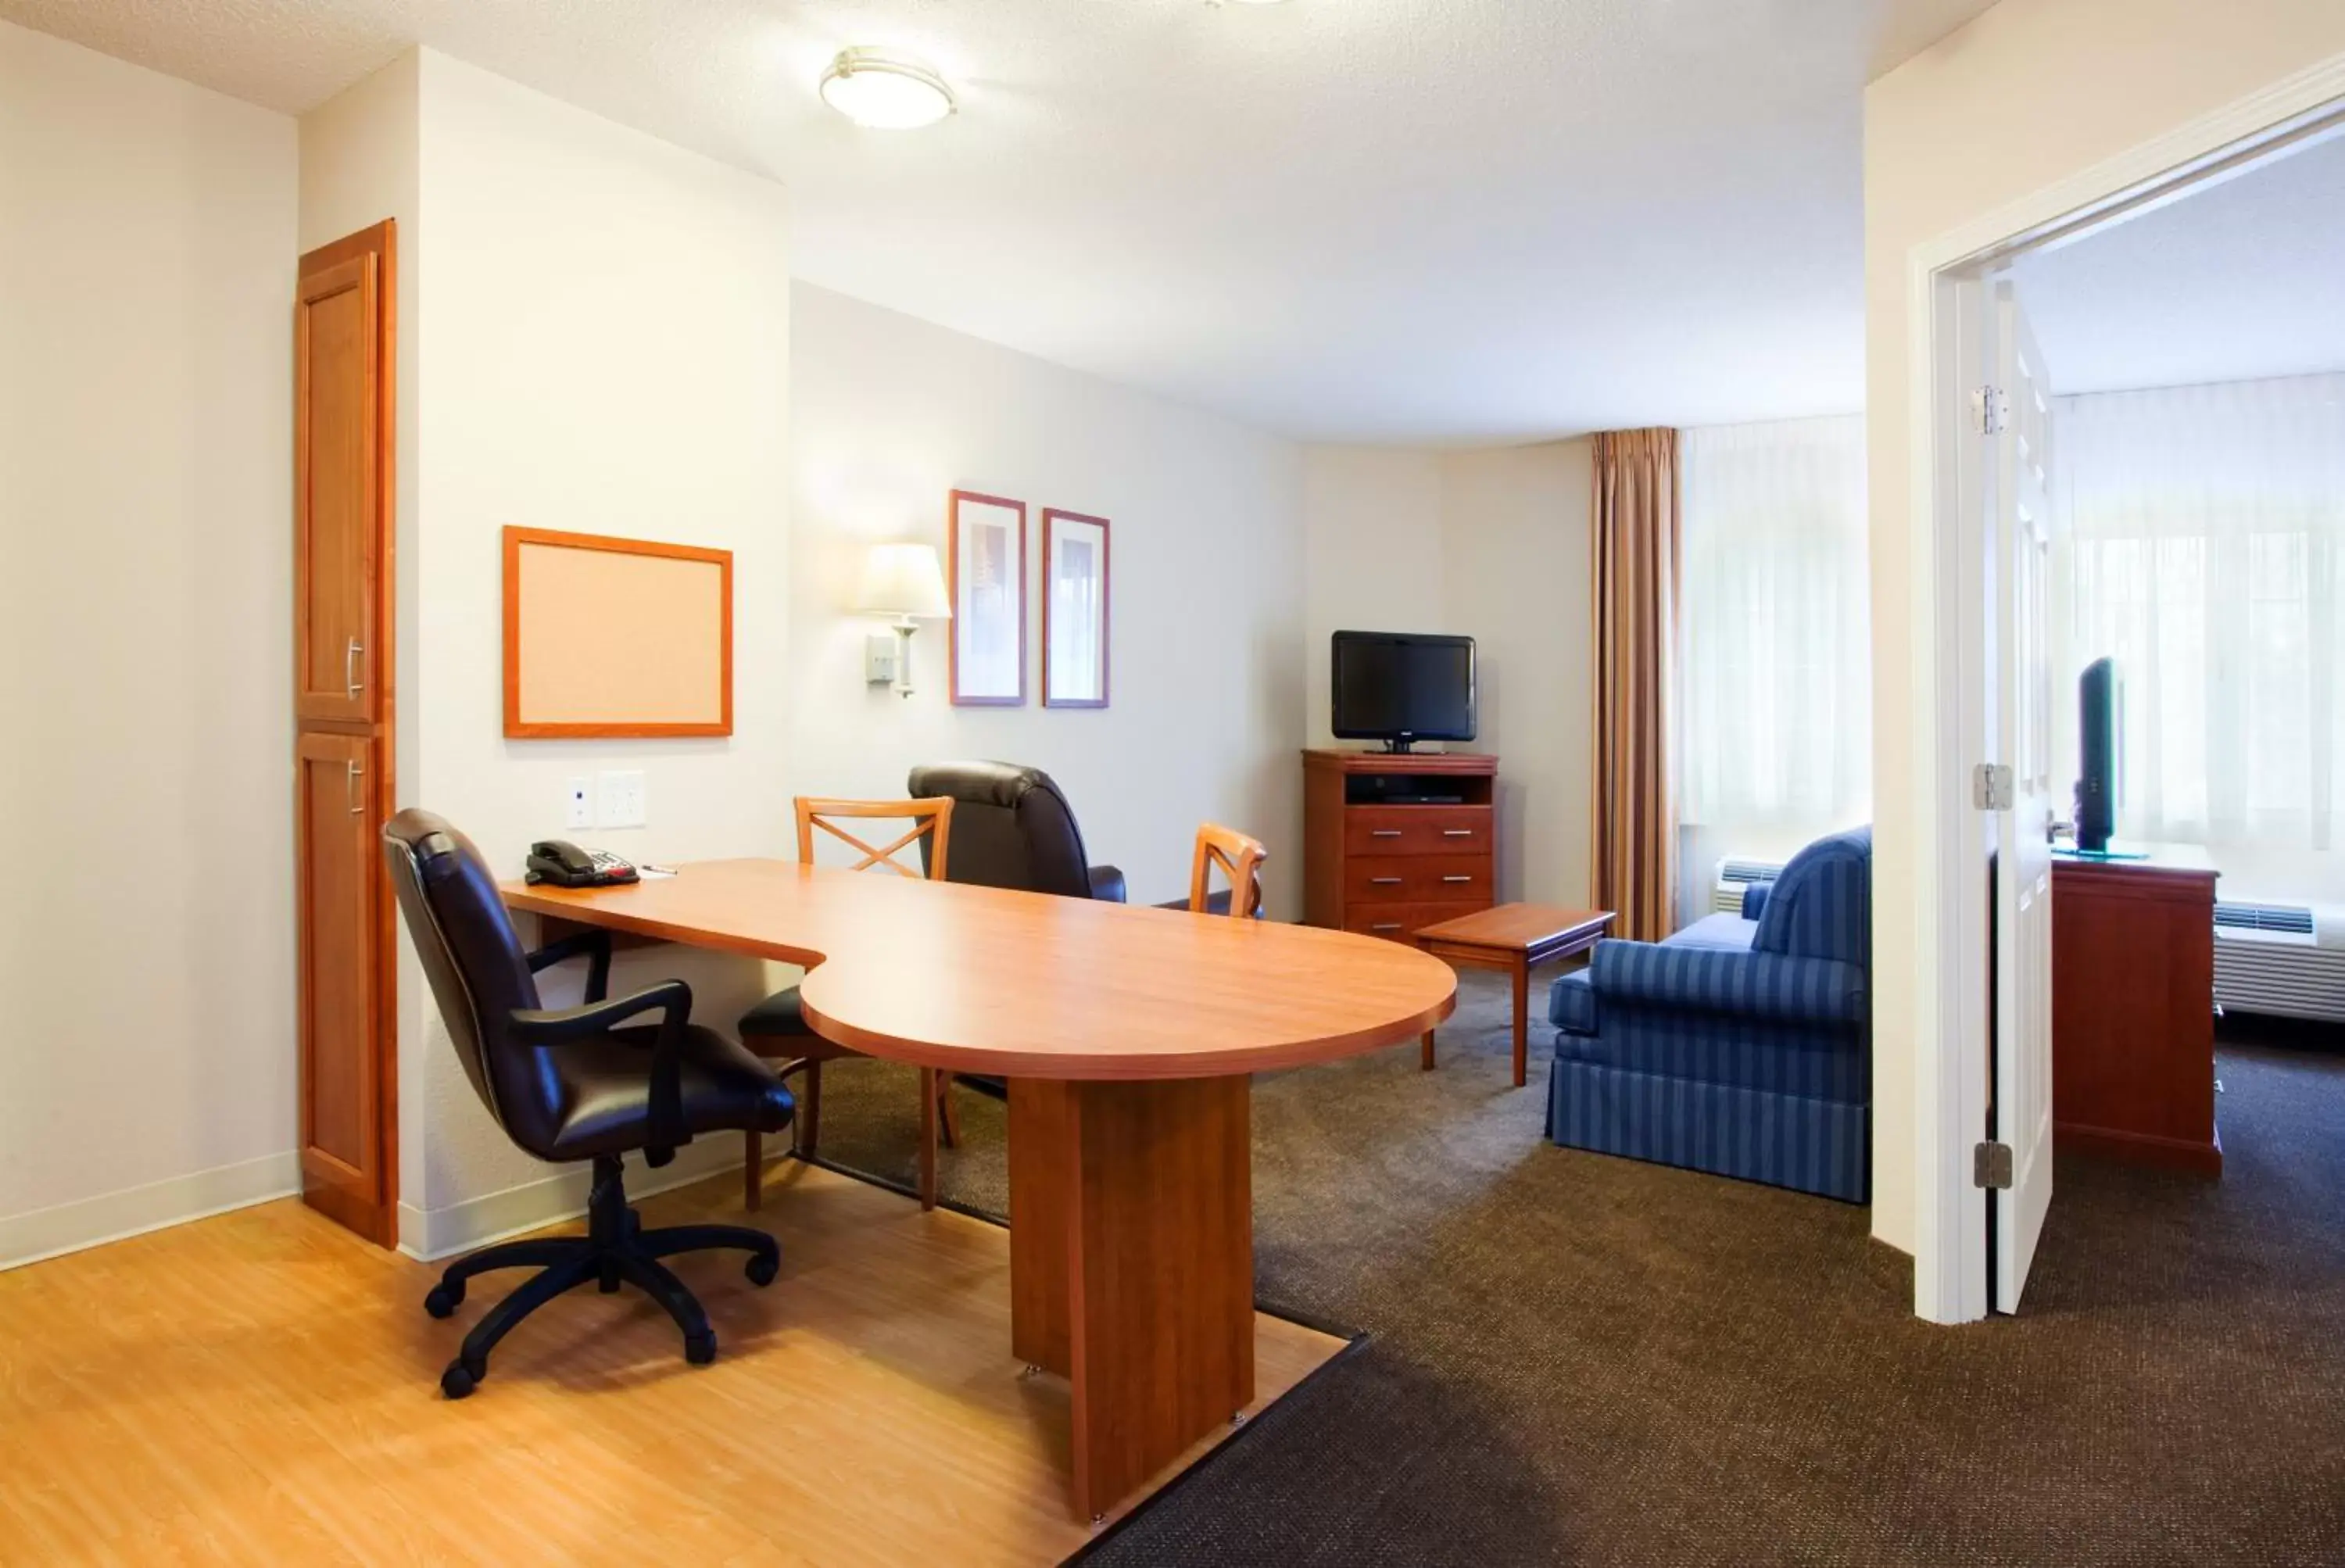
(2016, 411)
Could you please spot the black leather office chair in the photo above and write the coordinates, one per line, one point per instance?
(1012, 828)
(570, 1085)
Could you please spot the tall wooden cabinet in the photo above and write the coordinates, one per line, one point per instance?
(343, 412)
(1394, 843)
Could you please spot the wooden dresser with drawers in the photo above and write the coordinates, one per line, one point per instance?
(1395, 841)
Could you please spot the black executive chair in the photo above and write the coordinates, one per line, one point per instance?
(568, 1084)
(1012, 828)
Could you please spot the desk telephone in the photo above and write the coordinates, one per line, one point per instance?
(565, 865)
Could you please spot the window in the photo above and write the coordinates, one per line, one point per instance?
(1774, 689)
(2205, 532)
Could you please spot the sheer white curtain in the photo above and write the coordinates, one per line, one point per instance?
(1774, 710)
(2207, 540)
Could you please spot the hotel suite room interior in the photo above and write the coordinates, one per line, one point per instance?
(1338, 748)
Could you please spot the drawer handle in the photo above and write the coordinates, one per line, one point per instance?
(1383, 882)
(1386, 925)
(1468, 879)
(1384, 832)
(1457, 833)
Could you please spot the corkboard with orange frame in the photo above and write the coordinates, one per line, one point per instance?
(610, 637)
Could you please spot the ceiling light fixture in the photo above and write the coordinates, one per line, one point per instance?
(880, 91)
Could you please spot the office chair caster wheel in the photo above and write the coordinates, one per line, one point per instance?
(700, 1348)
(444, 1298)
(458, 1380)
(763, 1270)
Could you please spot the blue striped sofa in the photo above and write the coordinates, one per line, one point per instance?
(1742, 1046)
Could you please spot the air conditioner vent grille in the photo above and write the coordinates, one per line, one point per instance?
(2293, 920)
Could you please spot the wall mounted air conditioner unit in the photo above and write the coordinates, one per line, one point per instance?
(1736, 872)
(2283, 959)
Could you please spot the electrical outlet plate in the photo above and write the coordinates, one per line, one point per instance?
(622, 799)
(578, 801)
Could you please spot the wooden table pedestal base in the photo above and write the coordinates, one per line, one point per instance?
(1132, 1264)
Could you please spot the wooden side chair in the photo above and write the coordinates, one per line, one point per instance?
(776, 1029)
(1239, 860)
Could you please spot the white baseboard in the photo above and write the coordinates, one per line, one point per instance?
(434, 1234)
(115, 1215)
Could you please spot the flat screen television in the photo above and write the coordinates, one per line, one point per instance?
(2100, 702)
(1402, 687)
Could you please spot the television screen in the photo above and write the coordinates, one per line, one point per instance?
(1399, 687)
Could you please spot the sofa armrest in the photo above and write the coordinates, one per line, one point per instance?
(1571, 1004)
(1754, 898)
(1711, 979)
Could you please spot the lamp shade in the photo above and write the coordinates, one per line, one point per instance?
(904, 580)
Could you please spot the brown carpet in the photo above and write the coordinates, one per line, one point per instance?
(1574, 1359)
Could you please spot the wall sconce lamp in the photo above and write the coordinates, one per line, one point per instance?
(903, 581)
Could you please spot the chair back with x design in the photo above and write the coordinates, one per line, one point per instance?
(1237, 858)
(931, 818)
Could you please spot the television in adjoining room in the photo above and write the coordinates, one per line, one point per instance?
(1402, 687)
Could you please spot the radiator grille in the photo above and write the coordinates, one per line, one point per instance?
(2268, 959)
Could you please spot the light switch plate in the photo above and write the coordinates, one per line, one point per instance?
(622, 799)
(578, 801)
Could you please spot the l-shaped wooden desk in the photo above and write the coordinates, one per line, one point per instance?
(1128, 1036)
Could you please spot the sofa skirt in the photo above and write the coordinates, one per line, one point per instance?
(1822, 1146)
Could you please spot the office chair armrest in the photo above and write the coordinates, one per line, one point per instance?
(1107, 882)
(592, 941)
(564, 1025)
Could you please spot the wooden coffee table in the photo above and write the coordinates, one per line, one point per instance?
(1512, 938)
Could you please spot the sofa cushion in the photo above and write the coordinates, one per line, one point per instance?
(1571, 1004)
(1726, 932)
(1822, 906)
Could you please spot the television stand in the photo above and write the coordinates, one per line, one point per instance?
(1396, 840)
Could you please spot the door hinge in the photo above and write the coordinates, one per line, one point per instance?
(1990, 409)
(1991, 1166)
(1991, 786)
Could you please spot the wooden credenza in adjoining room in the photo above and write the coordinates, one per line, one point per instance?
(1394, 843)
(2133, 1009)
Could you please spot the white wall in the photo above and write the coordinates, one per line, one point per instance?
(1516, 577)
(2031, 93)
(604, 348)
(147, 251)
(1492, 544)
(1206, 550)
(1371, 529)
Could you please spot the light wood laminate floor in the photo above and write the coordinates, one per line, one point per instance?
(262, 1387)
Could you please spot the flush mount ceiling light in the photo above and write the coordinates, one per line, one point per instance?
(880, 91)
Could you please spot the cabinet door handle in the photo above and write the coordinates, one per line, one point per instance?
(1383, 882)
(1466, 878)
(1457, 833)
(1384, 832)
(1386, 925)
(357, 795)
(352, 684)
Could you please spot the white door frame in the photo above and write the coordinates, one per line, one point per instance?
(1949, 1272)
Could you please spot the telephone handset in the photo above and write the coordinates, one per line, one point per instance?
(565, 865)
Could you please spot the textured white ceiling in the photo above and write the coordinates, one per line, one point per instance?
(1424, 220)
(2241, 281)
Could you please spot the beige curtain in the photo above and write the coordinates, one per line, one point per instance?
(1632, 862)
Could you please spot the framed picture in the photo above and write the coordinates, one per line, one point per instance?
(985, 550)
(1074, 610)
(608, 637)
